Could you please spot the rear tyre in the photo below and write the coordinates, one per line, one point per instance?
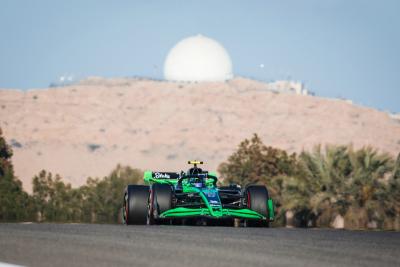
(135, 204)
(160, 200)
(257, 198)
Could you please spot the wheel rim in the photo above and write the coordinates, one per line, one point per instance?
(148, 214)
(149, 208)
(126, 209)
(248, 200)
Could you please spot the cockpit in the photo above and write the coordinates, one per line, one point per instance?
(196, 177)
(198, 181)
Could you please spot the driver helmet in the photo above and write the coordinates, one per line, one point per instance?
(199, 185)
(198, 182)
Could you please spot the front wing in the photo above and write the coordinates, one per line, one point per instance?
(220, 213)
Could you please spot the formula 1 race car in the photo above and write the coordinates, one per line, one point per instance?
(194, 198)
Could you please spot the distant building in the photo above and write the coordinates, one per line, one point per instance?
(289, 87)
(395, 116)
(63, 80)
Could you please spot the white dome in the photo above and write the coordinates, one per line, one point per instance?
(198, 58)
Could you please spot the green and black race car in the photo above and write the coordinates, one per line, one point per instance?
(194, 197)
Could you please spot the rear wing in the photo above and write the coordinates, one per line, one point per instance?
(168, 177)
(161, 177)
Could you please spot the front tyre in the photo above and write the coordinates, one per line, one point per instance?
(135, 204)
(160, 200)
(256, 199)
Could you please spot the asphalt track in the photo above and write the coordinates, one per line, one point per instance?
(118, 245)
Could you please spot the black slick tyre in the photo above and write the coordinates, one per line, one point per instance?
(160, 200)
(256, 199)
(135, 204)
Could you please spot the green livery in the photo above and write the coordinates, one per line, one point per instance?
(194, 196)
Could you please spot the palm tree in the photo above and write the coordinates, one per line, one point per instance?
(392, 198)
(341, 182)
(320, 184)
(368, 187)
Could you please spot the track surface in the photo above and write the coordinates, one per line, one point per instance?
(117, 245)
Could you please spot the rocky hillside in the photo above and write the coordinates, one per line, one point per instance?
(86, 129)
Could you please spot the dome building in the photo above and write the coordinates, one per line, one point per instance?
(197, 59)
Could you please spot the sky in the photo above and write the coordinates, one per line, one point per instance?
(341, 48)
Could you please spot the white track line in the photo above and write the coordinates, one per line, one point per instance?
(3, 264)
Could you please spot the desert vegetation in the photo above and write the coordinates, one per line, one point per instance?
(53, 200)
(98, 201)
(15, 203)
(334, 186)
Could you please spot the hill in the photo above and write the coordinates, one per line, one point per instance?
(86, 129)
